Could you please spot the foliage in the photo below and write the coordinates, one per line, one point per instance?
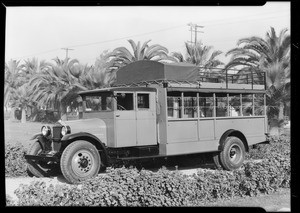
(200, 55)
(121, 56)
(277, 145)
(131, 187)
(15, 163)
(58, 86)
(9, 201)
(272, 57)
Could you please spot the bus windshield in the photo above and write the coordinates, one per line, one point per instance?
(98, 102)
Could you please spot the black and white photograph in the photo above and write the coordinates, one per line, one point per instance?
(148, 106)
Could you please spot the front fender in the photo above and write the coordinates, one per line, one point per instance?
(79, 134)
(37, 135)
(44, 142)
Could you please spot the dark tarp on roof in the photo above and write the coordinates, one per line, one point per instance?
(139, 71)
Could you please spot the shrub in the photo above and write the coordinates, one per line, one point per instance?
(15, 163)
(130, 187)
(9, 201)
(277, 145)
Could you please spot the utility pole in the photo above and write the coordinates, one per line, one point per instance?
(67, 50)
(193, 28)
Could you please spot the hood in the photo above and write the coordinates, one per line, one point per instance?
(94, 126)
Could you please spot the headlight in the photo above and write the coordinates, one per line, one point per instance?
(65, 130)
(46, 131)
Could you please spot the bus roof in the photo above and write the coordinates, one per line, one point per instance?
(112, 89)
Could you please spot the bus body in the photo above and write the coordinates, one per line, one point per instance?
(159, 110)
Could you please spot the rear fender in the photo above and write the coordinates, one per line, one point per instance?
(233, 132)
(67, 139)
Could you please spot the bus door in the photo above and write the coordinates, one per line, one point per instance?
(145, 118)
(125, 121)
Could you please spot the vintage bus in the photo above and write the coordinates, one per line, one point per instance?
(156, 110)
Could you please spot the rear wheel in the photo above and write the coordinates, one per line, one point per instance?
(39, 168)
(80, 161)
(233, 154)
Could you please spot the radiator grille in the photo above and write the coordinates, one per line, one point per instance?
(56, 132)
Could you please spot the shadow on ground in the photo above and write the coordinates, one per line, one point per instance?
(183, 162)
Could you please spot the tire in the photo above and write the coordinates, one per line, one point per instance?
(233, 154)
(216, 159)
(80, 161)
(36, 168)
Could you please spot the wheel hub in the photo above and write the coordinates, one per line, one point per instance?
(232, 153)
(82, 163)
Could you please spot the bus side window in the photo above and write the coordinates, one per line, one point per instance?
(221, 105)
(143, 101)
(247, 104)
(190, 106)
(125, 101)
(174, 104)
(258, 104)
(234, 105)
(206, 105)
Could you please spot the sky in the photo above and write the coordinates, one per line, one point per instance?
(42, 32)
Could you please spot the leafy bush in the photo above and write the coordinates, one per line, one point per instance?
(265, 151)
(9, 201)
(130, 187)
(15, 163)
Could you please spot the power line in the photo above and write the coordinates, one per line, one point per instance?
(166, 29)
(100, 42)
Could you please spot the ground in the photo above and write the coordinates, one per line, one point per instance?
(16, 132)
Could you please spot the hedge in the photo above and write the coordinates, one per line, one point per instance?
(133, 187)
(15, 163)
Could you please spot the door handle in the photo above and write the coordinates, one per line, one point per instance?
(117, 115)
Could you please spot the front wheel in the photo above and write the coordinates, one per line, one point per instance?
(39, 168)
(233, 154)
(80, 161)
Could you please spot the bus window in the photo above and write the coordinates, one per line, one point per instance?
(143, 101)
(97, 103)
(190, 106)
(174, 104)
(221, 105)
(234, 105)
(247, 104)
(125, 101)
(259, 104)
(206, 103)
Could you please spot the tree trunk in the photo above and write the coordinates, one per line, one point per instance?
(63, 113)
(12, 114)
(34, 113)
(274, 127)
(23, 118)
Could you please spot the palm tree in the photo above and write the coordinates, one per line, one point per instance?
(203, 57)
(29, 69)
(21, 99)
(121, 56)
(200, 55)
(272, 57)
(58, 86)
(13, 79)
